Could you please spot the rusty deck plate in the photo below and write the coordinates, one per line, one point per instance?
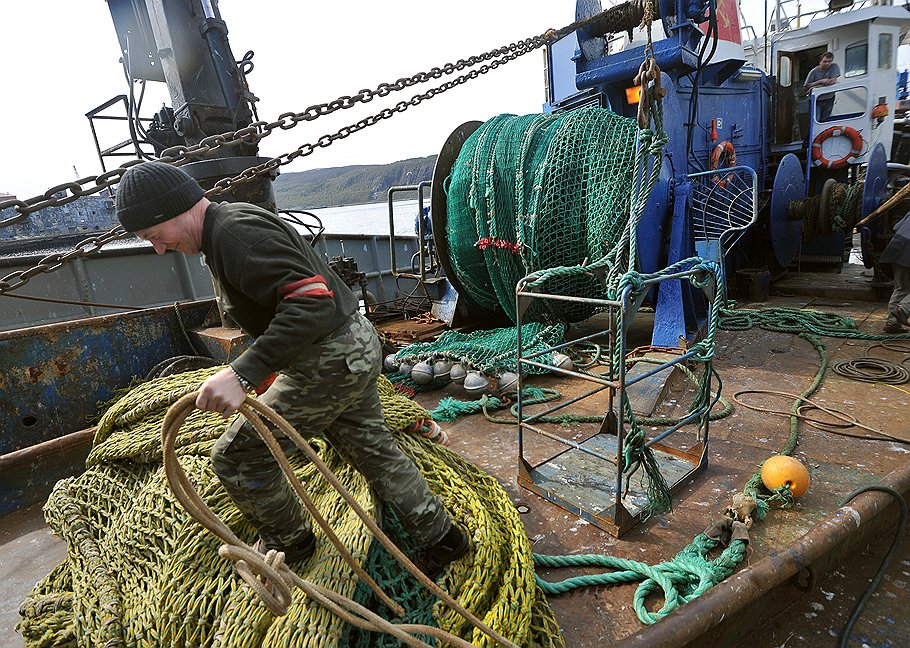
(419, 329)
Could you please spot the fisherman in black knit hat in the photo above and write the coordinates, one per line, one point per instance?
(306, 328)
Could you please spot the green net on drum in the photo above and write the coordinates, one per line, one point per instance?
(533, 192)
(528, 194)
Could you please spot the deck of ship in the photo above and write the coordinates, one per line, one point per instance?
(780, 614)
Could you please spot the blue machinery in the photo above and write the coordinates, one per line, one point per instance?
(711, 100)
(690, 209)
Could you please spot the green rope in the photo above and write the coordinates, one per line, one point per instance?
(690, 573)
(450, 409)
(796, 321)
(783, 495)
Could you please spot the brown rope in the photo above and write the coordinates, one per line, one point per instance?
(268, 576)
(826, 426)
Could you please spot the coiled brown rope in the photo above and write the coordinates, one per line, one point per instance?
(268, 576)
(872, 370)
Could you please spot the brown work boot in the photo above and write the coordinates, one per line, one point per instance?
(433, 559)
(893, 328)
(297, 552)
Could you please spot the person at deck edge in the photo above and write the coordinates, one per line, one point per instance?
(824, 74)
(307, 327)
(897, 253)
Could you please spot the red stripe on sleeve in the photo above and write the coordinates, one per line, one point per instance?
(291, 287)
(316, 292)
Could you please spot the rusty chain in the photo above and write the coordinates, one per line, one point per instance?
(57, 260)
(226, 184)
(178, 155)
(252, 134)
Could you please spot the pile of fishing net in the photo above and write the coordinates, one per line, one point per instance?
(139, 571)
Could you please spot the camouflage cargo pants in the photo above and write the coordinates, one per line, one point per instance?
(331, 392)
(900, 297)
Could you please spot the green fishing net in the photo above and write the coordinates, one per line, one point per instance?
(533, 192)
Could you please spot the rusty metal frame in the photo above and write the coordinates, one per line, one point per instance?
(617, 518)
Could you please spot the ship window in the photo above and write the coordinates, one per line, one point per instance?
(855, 60)
(885, 51)
(842, 104)
(783, 71)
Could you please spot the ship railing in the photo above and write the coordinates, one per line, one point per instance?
(724, 205)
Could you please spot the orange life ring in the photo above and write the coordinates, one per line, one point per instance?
(856, 140)
(723, 147)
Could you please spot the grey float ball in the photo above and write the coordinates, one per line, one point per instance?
(457, 373)
(442, 369)
(422, 373)
(390, 364)
(405, 369)
(507, 382)
(562, 361)
(475, 383)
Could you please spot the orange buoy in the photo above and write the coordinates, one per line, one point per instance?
(781, 470)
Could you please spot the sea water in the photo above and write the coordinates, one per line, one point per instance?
(372, 218)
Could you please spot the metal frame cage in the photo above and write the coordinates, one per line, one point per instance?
(586, 477)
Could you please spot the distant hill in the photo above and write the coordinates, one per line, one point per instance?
(349, 185)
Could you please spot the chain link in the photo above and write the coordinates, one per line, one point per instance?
(252, 134)
(57, 260)
(514, 51)
(178, 155)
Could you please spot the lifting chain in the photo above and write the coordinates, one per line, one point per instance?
(303, 150)
(65, 193)
(178, 155)
(57, 260)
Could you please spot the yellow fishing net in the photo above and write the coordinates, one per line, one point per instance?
(140, 572)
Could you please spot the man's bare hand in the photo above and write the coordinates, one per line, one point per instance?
(221, 393)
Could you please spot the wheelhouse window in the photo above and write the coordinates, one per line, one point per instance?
(855, 60)
(885, 51)
(840, 105)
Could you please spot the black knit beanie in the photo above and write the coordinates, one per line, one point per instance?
(153, 192)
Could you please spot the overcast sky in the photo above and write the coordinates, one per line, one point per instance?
(61, 60)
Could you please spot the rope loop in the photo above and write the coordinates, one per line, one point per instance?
(634, 280)
(706, 272)
(268, 576)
